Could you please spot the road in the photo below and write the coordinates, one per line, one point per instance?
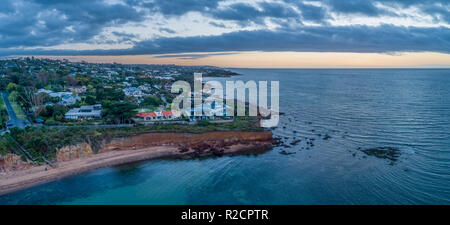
(90, 126)
(13, 120)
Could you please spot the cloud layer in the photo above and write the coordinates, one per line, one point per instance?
(38, 27)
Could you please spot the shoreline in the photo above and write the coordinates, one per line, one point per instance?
(16, 180)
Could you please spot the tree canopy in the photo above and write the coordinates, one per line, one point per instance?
(118, 112)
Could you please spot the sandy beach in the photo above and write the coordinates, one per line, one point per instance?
(17, 180)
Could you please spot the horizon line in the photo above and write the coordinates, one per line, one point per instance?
(443, 67)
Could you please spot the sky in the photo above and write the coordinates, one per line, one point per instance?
(231, 33)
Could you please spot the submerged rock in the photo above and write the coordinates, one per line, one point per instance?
(277, 141)
(390, 153)
(283, 152)
(295, 142)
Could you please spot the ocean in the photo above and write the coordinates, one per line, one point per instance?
(358, 109)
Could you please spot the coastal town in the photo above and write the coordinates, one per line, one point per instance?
(45, 92)
(60, 118)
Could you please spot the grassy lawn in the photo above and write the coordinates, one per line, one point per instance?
(17, 109)
(2, 104)
(147, 109)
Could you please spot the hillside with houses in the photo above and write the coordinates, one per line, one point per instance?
(62, 93)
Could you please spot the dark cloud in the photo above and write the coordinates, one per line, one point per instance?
(50, 22)
(245, 13)
(237, 11)
(384, 38)
(167, 30)
(381, 39)
(7, 6)
(355, 6)
(123, 37)
(176, 7)
(312, 13)
(369, 8)
(438, 12)
(220, 25)
(34, 23)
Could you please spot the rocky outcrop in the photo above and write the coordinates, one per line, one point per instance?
(11, 162)
(202, 144)
(188, 145)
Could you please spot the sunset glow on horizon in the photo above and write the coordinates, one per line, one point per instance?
(232, 33)
(283, 60)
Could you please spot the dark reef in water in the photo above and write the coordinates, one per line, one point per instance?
(390, 153)
(283, 152)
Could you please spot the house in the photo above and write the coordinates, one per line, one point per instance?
(69, 100)
(114, 73)
(85, 112)
(39, 120)
(164, 78)
(147, 75)
(133, 91)
(145, 88)
(196, 113)
(54, 94)
(204, 112)
(147, 116)
(42, 90)
(49, 103)
(59, 94)
(77, 90)
(159, 115)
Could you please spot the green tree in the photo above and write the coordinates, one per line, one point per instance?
(112, 94)
(90, 100)
(118, 112)
(58, 112)
(152, 101)
(11, 87)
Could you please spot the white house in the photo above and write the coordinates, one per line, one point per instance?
(60, 94)
(42, 90)
(85, 112)
(77, 89)
(205, 112)
(69, 100)
(132, 91)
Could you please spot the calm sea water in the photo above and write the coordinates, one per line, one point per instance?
(405, 109)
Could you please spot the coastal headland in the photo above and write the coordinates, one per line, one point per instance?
(15, 174)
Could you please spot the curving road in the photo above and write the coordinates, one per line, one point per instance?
(13, 120)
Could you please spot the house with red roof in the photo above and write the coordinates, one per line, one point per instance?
(159, 115)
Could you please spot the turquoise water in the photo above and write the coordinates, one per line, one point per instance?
(404, 109)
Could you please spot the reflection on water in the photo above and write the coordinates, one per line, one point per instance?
(356, 110)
